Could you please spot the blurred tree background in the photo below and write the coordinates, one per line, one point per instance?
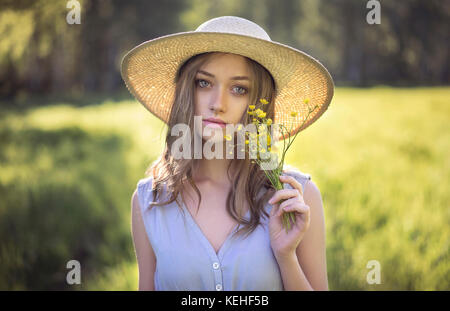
(40, 53)
(73, 142)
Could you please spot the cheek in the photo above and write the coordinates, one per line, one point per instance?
(242, 111)
(200, 103)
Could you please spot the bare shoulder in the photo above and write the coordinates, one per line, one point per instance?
(311, 192)
(293, 171)
(135, 206)
(144, 252)
(301, 177)
(311, 252)
(312, 195)
(136, 210)
(138, 230)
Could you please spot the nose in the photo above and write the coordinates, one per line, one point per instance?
(219, 101)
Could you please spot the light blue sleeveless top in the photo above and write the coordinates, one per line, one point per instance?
(186, 260)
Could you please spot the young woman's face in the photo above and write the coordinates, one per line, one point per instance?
(222, 91)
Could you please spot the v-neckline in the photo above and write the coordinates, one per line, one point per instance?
(203, 237)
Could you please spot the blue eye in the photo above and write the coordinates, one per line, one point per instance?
(202, 83)
(241, 90)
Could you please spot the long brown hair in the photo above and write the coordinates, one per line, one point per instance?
(248, 180)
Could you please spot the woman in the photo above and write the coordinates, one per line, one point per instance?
(202, 223)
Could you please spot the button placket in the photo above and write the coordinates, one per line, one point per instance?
(218, 278)
(215, 258)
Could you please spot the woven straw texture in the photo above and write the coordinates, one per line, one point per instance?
(150, 68)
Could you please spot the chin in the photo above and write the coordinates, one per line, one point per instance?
(213, 139)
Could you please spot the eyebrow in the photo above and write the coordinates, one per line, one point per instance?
(232, 78)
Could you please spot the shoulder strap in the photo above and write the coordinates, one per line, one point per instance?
(301, 177)
(144, 192)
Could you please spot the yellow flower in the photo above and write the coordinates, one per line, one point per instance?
(269, 121)
(251, 107)
(239, 127)
(260, 113)
(246, 141)
(268, 139)
(294, 114)
(250, 112)
(254, 120)
(227, 137)
(263, 101)
(306, 101)
(268, 148)
(262, 150)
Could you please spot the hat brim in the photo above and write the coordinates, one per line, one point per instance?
(149, 70)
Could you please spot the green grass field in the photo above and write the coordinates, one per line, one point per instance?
(380, 157)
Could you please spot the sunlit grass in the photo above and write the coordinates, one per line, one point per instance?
(122, 277)
(381, 160)
(379, 156)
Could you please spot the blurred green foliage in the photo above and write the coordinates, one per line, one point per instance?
(379, 156)
(65, 184)
(57, 204)
(40, 53)
(68, 168)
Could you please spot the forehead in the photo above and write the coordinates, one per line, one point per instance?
(226, 64)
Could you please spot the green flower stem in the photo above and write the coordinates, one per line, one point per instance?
(274, 175)
(287, 216)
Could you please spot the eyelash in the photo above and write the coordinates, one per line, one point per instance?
(197, 82)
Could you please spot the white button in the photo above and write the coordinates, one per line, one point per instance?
(216, 265)
(219, 287)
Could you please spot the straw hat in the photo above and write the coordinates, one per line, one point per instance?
(149, 69)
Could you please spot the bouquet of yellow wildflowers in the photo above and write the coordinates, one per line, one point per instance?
(262, 134)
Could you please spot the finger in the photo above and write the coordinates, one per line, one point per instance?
(289, 202)
(302, 209)
(293, 182)
(296, 207)
(292, 205)
(284, 194)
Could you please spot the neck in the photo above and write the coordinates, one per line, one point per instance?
(213, 171)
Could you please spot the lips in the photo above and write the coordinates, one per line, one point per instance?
(214, 122)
